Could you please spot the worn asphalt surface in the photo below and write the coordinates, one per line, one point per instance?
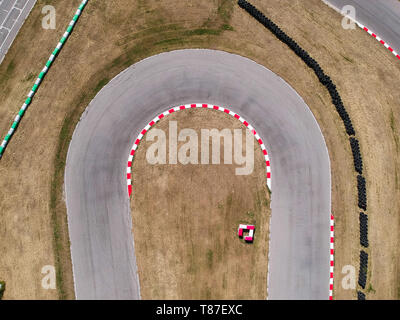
(98, 207)
(95, 179)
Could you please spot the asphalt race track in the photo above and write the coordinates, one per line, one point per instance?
(381, 16)
(95, 179)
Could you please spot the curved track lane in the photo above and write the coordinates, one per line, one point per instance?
(97, 201)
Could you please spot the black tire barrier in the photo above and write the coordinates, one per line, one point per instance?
(364, 230)
(309, 61)
(355, 148)
(363, 256)
(364, 241)
(360, 295)
(338, 103)
(362, 275)
(362, 193)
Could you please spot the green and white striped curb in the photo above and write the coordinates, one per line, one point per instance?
(40, 77)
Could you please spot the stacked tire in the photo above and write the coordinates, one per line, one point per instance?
(360, 295)
(364, 230)
(362, 192)
(355, 148)
(362, 276)
(326, 81)
(309, 61)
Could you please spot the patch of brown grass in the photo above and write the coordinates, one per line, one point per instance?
(185, 220)
(112, 35)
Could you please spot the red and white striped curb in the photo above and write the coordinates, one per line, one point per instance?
(332, 251)
(190, 106)
(387, 46)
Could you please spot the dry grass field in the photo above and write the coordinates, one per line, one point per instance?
(185, 220)
(112, 35)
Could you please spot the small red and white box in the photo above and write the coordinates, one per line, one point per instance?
(244, 228)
